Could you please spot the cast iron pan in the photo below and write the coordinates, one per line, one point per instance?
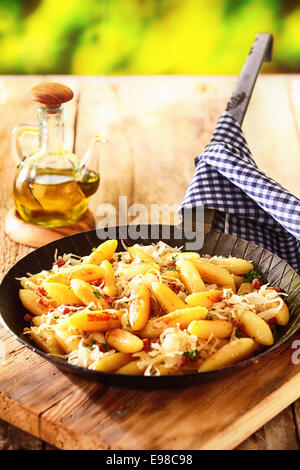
(274, 270)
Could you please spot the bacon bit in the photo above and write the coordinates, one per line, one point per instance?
(207, 256)
(182, 361)
(256, 283)
(101, 316)
(236, 323)
(239, 325)
(147, 344)
(272, 322)
(110, 299)
(41, 291)
(66, 310)
(175, 288)
(100, 347)
(28, 318)
(60, 262)
(127, 261)
(43, 302)
(172, 264)
(111, 261)
(278, 289)
(99, 283)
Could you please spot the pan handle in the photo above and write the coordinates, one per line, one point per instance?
(261, 51)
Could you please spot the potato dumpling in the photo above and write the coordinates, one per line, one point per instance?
(46, 341)
(111, 362)
(232, 352)
(139, 308)
(104, 251)
(204, 299)
(168, 300)
(97, 320)
(190, 276)
(236, 266)
(183, 318)
(257, 328)
(62, 294)
(33, 302)
(205, 328)
(213, 274)
(124, 341)
(137, 253)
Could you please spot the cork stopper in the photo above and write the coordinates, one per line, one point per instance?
(51, 94)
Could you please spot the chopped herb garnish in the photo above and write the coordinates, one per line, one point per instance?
(128, 325)
(240, 294)
(92, 343)
(104, 346)
(93, 249)
(238, 333)
(174, 258)
(56, 317)
(192, 355)
(171, 268)
(209, 317)
(97, 294)
(251, 275)
(119, 257)
(202, 256)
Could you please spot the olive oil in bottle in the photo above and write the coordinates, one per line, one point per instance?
(53, 199)
(52, 187)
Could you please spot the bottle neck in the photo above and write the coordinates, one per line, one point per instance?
(51, 130)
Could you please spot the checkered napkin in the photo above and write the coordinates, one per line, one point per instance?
(248, 203)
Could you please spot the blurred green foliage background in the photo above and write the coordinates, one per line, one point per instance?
(114, 37)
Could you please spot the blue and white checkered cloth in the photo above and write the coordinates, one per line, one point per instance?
(249, 204)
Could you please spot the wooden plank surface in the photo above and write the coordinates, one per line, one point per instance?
(155, 126)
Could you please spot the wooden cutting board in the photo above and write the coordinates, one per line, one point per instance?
(71, 413)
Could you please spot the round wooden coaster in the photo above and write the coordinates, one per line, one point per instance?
(35, 235)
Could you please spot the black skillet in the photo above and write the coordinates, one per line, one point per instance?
(274, 270)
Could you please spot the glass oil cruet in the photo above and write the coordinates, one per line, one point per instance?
(52, 186)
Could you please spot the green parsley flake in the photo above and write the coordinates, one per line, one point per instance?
(119, 257)
(238, 333)
(209, 317)
(93, 249)
(97, 294)
(251, 275)
(174, 258)
(92, 343)
(192, 355)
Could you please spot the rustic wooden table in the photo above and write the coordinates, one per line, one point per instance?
(156, 125)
